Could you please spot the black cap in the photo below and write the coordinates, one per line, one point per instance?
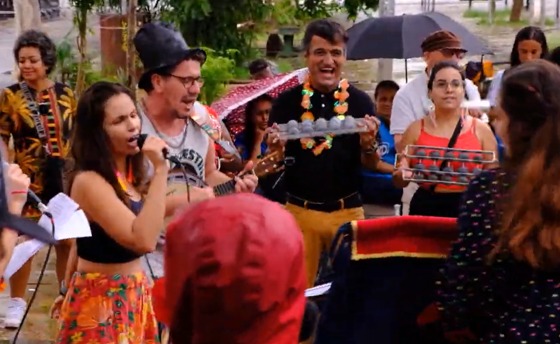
(160, 45)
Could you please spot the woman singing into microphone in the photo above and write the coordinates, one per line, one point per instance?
(109, 297)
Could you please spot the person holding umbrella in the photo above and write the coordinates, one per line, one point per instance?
(323, 180)
(411, 102)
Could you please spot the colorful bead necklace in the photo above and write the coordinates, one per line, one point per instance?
(340, 108)
(122, 181)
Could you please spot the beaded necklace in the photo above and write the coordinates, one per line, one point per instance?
(122, 181)
(340, 108)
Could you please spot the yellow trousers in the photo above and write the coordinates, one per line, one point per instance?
(319, 229)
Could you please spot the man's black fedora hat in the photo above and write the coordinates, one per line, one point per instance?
(160, 45)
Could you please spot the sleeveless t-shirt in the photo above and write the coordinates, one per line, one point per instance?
(188, 147)
(192, 154)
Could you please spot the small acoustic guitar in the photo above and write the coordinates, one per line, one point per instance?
(177, 183)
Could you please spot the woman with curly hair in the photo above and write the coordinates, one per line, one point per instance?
(37, 114)
(501, 282)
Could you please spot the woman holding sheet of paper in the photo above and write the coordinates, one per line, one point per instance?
(108, 298)
(17, 184)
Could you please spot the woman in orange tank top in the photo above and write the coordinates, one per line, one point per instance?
(446, 90)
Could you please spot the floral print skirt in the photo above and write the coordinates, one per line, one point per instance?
(105, 309)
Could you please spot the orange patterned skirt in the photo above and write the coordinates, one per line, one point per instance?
(104, 309)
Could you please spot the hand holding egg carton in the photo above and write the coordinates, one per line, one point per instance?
(459, 165)
(294, 130)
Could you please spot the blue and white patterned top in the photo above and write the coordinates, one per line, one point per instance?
(501, 301)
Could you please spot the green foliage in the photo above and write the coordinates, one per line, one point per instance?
(323, 8)
(285, 13)
(353, 7)
(217, 72)
(67, 68)
(317, 8)
(214, 23)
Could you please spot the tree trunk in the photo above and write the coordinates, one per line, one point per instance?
(516, 8)
(130, 49)
(81, 21)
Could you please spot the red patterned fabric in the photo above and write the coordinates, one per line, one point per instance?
(231, 107)
(408, 236)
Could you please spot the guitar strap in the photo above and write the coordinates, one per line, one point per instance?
(214, 134)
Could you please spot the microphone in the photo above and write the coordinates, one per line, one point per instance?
(32, 196)
(141, 139)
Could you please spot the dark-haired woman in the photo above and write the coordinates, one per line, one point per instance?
(108, 299)
(501, 282)
(530, 44)
(251, 141)
(37, 113)
(446, 89)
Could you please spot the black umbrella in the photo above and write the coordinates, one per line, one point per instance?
(399, 37)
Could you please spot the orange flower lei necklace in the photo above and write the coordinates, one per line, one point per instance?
(340, 108)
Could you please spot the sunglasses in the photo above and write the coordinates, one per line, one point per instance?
(453, 52)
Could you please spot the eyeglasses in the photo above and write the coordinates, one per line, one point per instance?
(444, 85)
(448, 53)
(188, 81)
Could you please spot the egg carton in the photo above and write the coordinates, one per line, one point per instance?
(446, 176)
(294, 130)
(449, 154)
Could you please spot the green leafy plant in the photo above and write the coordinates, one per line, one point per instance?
(68, 68)
(217, 71)
(218, 24)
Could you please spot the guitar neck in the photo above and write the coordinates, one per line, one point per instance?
(268, 165)
(224, 188)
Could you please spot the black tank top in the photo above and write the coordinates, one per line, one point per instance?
(101, 248)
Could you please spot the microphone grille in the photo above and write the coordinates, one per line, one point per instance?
(141, 140)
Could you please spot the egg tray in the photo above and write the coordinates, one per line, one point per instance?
(440, 177)
(450, 154)
(294, 130)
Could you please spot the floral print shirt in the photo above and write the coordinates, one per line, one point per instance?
(501, 301)
(16, 120)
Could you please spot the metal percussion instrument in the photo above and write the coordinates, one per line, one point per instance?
(425, 163)
(294, 130)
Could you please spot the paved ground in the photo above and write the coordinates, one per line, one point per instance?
(38, 328)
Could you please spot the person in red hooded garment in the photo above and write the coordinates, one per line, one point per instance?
(235, 274)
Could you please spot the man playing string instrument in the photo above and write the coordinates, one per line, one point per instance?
(172, 81)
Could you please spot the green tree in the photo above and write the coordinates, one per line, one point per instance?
(214, 23)
(82, 8)
(323, 8)
(353, 7)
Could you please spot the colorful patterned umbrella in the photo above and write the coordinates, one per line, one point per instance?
(231, 107)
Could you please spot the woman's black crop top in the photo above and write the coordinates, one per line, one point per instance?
(101, 248)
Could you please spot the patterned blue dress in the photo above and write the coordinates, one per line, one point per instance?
(501, 301)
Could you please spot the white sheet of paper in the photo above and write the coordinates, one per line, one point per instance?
(61, 208)
(318, 290)
(21, 254)
(76, 227)
(70, 223)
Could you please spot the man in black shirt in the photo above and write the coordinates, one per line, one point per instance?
(323, 178)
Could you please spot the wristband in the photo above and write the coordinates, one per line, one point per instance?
(18, 192)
